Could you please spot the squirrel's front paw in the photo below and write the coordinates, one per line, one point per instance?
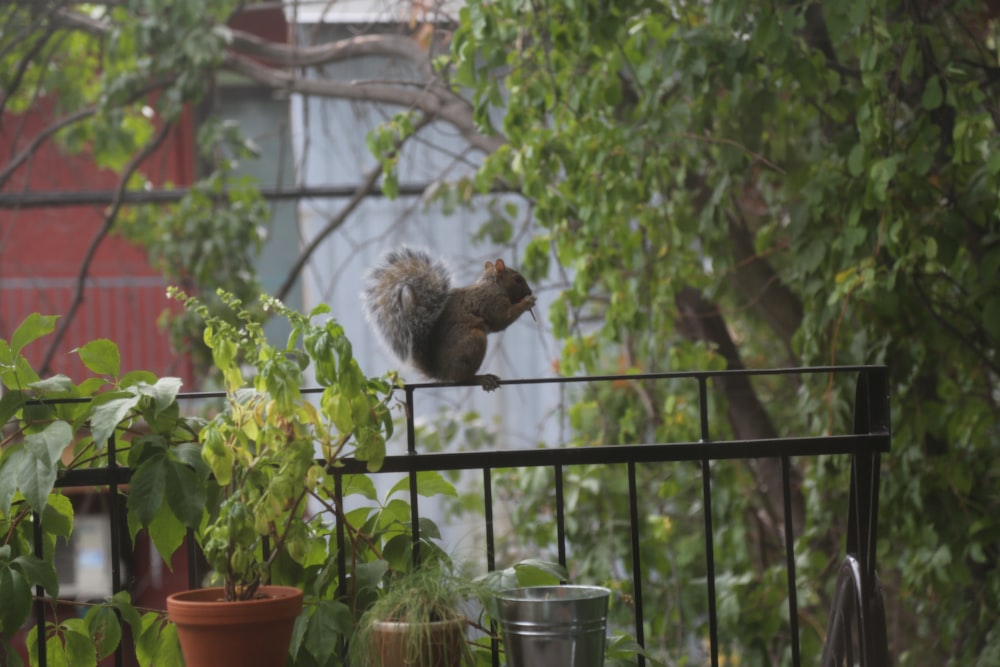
(489, 381)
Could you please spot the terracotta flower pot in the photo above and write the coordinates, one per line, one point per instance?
(252, 633)
(439, 644)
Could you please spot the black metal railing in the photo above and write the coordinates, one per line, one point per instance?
(856, 633)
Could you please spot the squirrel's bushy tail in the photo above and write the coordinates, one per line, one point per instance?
(403, 297)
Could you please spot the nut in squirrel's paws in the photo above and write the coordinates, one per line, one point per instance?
(529, 301)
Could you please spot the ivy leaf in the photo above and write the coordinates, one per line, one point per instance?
(991, 316)
(31, 329)
(163, 393)
(39, 464)
(331, 621)
(78, 646)
(16, 595)
(8, 481)
(166, 532)
(122, 601)
(101, 356)
(38, 572)
(10, 403)
(58, 516)
(146, 488)
(185, 493)
(107, 415)
(429, 483)
(52, 385)
(361, 485)
(103, 625)
(933, 94)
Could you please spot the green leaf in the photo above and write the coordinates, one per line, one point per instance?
(535, 572)
(9, 465)
(856, 160)
(430, 483)
(38, 572)
(185, 493)
(101, 356)
(134, 378)
(166, 532)
(361, 485)
(189, 454)
(163, 393)
(991, 316)
(146, 488)
(39, 465)
(147, 637)
(58, 515)
(328, 625)
(31, 329)
(215, 453)
(16, 595)
(168, 648)
(52, 385)
(122, 601)
(105, 628)
(78, 645)
(933, 94)
(10, 656)
(10, 403)
(882, 172)
(106, 417)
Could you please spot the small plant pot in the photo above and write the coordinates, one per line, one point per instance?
(431, 644)
(250, 633)
(554, 625)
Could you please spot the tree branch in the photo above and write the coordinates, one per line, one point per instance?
(334, 223)
(322, 54)
(756, 281)
(435, 100)
(109, 219)
(430, 97)
(701, 320)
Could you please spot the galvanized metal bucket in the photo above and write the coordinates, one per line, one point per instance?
(554, 626)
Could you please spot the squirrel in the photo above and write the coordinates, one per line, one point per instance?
(441, 330)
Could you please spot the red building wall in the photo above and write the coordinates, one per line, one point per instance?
(42, 251)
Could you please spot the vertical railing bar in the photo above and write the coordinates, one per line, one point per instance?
(793, 602)
(43, 658)
(706, 491)
(411, 449)
(115, 518)
(341, 537)
(194, 576)
(633, 502)
(340, 533)
(560, 515)
(491, 557)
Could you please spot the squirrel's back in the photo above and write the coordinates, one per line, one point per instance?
(404, 295)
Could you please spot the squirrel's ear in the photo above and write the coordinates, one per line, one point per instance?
(500, 265)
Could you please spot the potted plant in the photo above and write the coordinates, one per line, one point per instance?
(420, 618)
(269, 450)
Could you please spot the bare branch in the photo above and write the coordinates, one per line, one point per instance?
(334, 223)
(322, 54)
(109, 220)
(435, 101)
(430, 97)
(331, 226)
(41, 138)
